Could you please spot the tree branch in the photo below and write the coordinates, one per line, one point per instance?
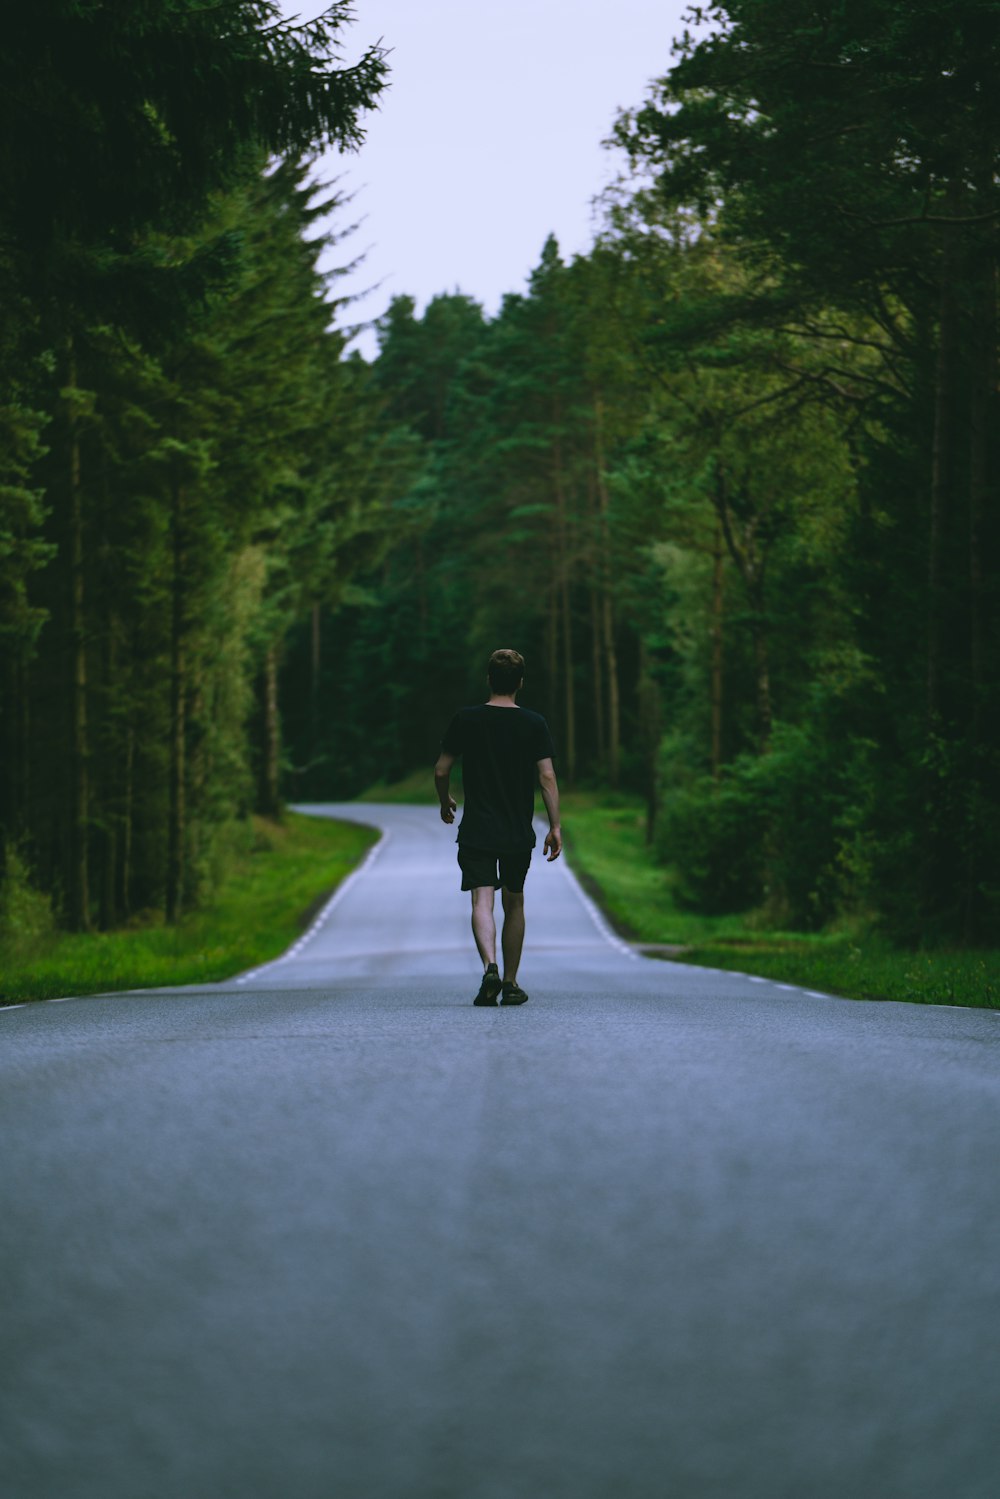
(923, 218)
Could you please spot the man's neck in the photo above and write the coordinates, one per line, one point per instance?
(500, 700)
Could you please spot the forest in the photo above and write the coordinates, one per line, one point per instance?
(728, 480)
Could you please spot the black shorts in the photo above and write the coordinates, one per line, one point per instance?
(481, 867)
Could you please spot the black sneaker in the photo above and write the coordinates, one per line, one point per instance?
(490, 987)
(512, 994)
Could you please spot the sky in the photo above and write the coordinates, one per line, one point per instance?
(488, 138)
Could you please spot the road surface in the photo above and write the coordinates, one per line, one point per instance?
(329, 1232)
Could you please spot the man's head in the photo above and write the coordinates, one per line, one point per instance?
(505, 672)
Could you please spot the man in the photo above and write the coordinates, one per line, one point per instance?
(502, 748)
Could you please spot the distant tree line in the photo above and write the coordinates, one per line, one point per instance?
(729, 481)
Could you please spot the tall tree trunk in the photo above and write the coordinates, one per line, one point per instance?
(982, 421)
(762, 667)
(945, 381)
(717, 650)
(9, 758)
(552, 641)
(751, 563)
(649, 735)
(271, 781)
(178, 715)
(109, 874)
(569, 682)
(78, 885)
(614, 698)
(607, 609)
(597, 684)
(125, 860)
(562, 574)
(196, 827)
(13, 740)
(110, 820)
(314, 672)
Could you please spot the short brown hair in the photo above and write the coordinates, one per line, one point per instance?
(505, 671)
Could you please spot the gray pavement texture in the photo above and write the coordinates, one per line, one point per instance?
(329, 1232)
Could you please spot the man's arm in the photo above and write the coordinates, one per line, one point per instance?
(550, 796)
(442, 779)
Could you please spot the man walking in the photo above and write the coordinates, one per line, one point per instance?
(502, 748)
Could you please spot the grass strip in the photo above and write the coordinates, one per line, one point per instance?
(865, 968)
(607, 847)
(278, 875)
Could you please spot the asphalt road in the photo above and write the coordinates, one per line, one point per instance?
(329, 1232)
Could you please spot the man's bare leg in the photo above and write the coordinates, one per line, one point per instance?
(513, 933)
(483, 925)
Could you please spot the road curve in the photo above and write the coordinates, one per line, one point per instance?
(328, 1232)
(404, 916)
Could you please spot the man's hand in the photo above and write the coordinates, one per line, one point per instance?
(550, 796)
(442, 776)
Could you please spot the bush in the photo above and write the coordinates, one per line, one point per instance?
(768, 833)
(25, 913)
(713, 836)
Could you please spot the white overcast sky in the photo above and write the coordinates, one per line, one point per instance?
(489, 136)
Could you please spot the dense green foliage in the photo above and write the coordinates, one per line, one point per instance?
(845, 161)
(187, 462)
(729, 480)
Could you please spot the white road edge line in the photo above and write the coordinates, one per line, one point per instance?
(593, 911)
(322, 918)
(596, 915)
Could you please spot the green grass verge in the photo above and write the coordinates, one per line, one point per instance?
(417, 787)
(865, 967)
(606, 846)
(278, 876)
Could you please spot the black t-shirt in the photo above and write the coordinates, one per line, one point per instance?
(500, 750)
